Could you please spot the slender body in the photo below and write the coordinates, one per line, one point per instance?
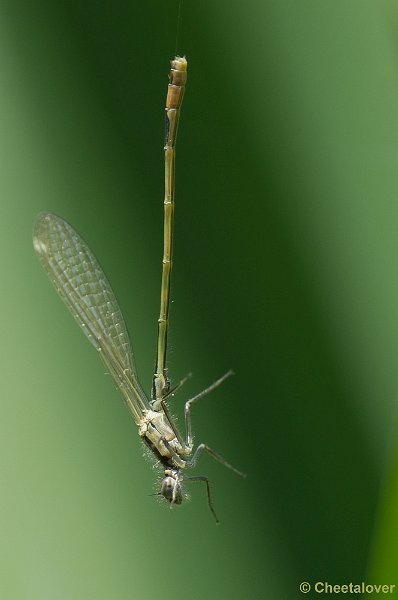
(175, 95)
(83, 286)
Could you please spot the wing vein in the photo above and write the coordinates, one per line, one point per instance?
(84, 288)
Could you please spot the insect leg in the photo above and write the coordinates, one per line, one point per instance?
(209, 499)
(179, 385)
(218, 457)
(188, 423)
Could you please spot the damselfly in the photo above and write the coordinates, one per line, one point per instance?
(81, 283)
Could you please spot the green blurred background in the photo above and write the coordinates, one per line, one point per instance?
(286, 256)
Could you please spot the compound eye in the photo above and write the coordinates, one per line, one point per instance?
(168, 485)
(177, 494)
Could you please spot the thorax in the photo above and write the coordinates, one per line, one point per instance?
(158, 433)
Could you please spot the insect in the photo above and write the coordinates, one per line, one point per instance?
(83, 286)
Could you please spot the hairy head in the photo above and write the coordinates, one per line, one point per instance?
(171, 487)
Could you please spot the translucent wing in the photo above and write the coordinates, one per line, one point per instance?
(81, 283)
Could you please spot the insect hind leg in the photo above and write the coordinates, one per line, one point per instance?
(204, 447)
